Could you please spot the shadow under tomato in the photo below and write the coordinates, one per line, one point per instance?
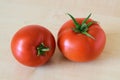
(57, 59)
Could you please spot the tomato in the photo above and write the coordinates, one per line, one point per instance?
(81, 39)
(33, 45)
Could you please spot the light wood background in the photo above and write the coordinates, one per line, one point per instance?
(51, 13)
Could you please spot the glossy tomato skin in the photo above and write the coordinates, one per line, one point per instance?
(25, 42)
(79, 47)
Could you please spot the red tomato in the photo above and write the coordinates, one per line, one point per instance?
(33, 45)
(81, 39)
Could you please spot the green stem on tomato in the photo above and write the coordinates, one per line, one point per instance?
(83, 27)
(41, 49)
(75, 22)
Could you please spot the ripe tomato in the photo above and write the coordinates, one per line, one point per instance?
(33, 45)
(81, 39)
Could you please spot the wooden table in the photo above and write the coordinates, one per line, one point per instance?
(51, 13)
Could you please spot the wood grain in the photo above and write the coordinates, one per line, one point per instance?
(51, 13)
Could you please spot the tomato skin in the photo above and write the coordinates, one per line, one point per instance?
(79, 47)
(27, 39)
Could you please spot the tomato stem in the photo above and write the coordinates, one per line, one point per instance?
(75, 22)
(88, 35)
(83, 27)
(41, 49)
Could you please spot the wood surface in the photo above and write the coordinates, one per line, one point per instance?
(14, 14)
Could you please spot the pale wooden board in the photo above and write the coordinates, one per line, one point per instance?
(51, 13)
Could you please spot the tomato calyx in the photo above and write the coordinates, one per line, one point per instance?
(83, 27)
(41, 49)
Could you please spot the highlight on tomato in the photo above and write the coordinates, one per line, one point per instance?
(81, 39)
(33, 45)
